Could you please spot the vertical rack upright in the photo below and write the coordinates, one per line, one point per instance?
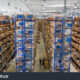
(58, 43)
(67, 44)
(29, 42)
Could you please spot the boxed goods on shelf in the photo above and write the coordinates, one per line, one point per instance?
(63, 38)
(25, 43)
(35, 38)
(39, 30)
(76, 60)
(76, 44)
(48, 28)
(7, 46)
(62, 41)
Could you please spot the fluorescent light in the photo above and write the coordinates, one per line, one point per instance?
(56, 5)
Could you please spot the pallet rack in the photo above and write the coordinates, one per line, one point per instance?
(76, 44)
(39, 30)
(62, 43)
(19, 43)
(7, 47)
(24, 39)
(58, 43)
(29, 43)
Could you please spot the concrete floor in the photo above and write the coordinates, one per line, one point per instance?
(40, 53)
(73, 69)
(11, 67)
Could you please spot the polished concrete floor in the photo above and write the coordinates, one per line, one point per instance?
(11, 67)
(40, 54)
(72, 69)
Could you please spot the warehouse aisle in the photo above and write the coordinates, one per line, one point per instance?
(73, 69)
(12, 66)
(40, 52)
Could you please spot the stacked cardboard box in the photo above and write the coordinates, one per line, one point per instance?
(38, 31)
(35, 38)
(76, 44)
(7, 40)
(49, 34)
(48, 28)
(26, 36)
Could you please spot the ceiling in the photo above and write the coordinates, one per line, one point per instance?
(40, 8)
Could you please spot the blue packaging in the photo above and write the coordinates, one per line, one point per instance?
(0, 49)
(19, 16)
(21, 23)
(59, 40)
(65, 53)
(19, 40)
(30, 32)
(68, 39)
(58, 46)
(69, 24)
(19, 32)
(29, 16)
(58, 31)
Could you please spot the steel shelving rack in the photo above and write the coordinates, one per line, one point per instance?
(24, 43)
(7, 47)
(76, 44)
(63, 44)
(29, 42)
(58, 43)
(19, 43)
(67, 43)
